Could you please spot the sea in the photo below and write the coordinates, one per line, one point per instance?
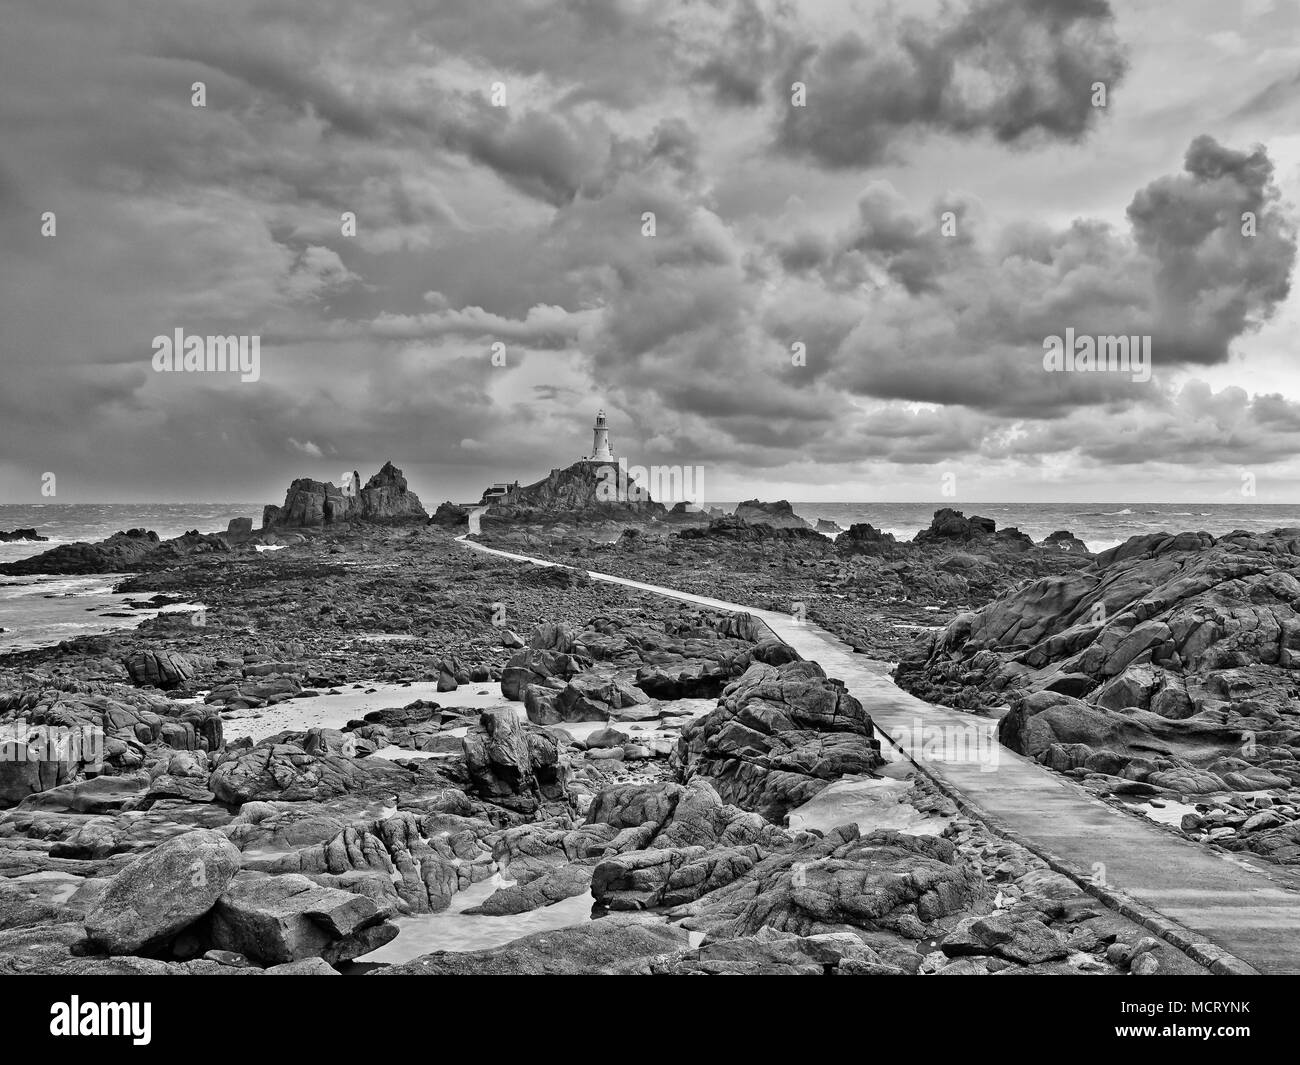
(42, 610)
(1099, 525)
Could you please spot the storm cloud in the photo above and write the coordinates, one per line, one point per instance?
(851, 292)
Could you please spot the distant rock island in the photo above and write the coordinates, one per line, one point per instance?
(779, 515)
(311, 504)
(20, 534)
(583, 492)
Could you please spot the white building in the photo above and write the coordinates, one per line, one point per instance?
(600, 449)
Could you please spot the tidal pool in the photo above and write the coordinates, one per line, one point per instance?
(868, 802)
(455, 930)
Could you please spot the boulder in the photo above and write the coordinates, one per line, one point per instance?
(512, 763)
(1064, 540)
(286, 772)
(280, 919)
(1017, 937)
(163, 892)
(780, 734)
(161, 669)
(535, 666)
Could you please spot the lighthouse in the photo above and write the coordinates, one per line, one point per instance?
(600, 449)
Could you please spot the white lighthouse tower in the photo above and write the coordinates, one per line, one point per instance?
(600, 449)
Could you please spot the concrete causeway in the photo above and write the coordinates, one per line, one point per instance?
(1238, 904)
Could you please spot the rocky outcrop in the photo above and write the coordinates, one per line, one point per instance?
(314, 504)
(119, 552)
(687, 843)
(883, 881)
(734, 527)
(690, 513)
(582, 493)
(450, 515)
(780, 734)
(20, 534)
(591, 696)
(1170, 663)
(160, 669)
(285, 772)
(408, 863)
(1016, 937)
(864, 539)
(537, 666)
(558, 680)
(953, 526)
(779, 515)
(1064, 540)
(139, 549)
(52, 737)
(512, 763)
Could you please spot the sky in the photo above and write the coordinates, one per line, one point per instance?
(867, 219)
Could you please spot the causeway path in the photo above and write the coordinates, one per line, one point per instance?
(1237, 904)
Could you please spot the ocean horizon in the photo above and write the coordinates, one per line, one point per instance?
(1100, 525)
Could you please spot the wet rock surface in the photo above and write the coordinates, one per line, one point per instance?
(633, 766)
(780, 734)
(1164, 670)
(878, 594)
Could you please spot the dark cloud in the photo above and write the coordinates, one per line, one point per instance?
(1193, 426)
(524, 224)
(751, 43)
(1013, 69)
(1213, 280)
(963, 323)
